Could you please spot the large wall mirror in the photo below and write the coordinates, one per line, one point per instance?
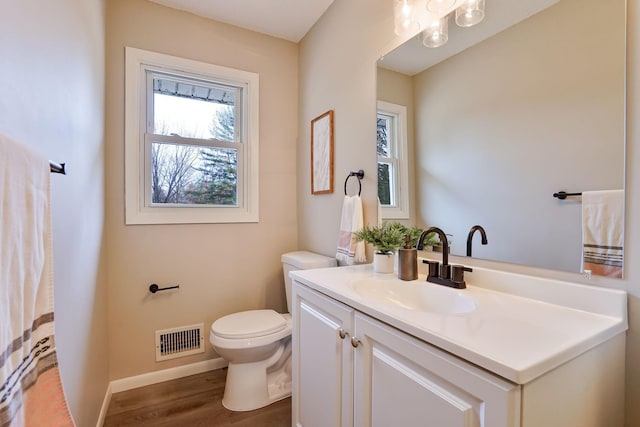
(527, 103)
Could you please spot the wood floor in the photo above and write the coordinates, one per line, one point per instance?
(194, 401)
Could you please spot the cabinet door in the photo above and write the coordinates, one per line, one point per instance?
(322, 360)
(401, 381)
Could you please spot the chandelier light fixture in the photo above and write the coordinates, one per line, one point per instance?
(405, 18)
(437, 6)
(433, 20)
(470, 13)
(437, 32)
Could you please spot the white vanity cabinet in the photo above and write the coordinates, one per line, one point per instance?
(350, 369)
(359, 364)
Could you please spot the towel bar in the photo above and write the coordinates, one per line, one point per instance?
(563, 195)
(153, 288)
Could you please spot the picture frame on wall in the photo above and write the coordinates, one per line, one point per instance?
(322, 153)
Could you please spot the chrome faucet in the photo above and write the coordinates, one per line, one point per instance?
(483, 234)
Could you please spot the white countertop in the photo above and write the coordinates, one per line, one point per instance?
(522, 326)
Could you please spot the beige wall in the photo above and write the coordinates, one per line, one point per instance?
(52, 85)
(221, 268)
(524, 114)
(337, 70)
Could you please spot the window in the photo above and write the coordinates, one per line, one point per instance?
(191, 148)
(391, 148)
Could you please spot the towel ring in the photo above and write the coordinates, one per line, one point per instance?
(359, 175)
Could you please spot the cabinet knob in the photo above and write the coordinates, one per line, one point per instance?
(355, 342)
(342, 333)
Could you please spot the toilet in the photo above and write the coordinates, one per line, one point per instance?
(257, 345)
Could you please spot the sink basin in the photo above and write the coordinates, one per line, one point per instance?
(414, 295)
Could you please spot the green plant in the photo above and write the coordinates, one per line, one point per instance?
(414, 234)
(388, 237)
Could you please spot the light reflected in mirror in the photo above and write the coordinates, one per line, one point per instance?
(494, 130)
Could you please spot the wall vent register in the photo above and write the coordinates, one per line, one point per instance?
(179, 342)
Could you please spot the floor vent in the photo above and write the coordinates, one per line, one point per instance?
(179, 342)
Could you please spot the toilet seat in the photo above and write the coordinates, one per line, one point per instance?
(249, 324)
(248, 340)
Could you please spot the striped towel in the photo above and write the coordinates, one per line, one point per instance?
(350, 251)
(602, 232)
(31, 392)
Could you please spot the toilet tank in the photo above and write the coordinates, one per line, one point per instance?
(302, 260)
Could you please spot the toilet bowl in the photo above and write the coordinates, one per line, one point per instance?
(257, 345)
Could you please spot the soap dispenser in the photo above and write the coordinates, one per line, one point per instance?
(407, 261)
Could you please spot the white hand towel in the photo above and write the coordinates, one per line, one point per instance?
(350, 251)
(30, 388)
(602, 232)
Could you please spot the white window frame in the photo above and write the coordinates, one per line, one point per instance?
(138, 208)
(398, 146)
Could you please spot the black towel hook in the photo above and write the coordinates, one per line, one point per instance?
(359, 175)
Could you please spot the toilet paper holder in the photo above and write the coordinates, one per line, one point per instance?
(153, 288)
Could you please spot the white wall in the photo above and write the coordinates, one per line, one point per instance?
(52, 85)
(337, 70)
(221, 268)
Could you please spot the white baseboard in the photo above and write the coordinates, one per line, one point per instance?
(166, 374)
(105, 406)
(155, 377)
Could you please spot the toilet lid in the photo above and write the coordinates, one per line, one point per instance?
(249, 324)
